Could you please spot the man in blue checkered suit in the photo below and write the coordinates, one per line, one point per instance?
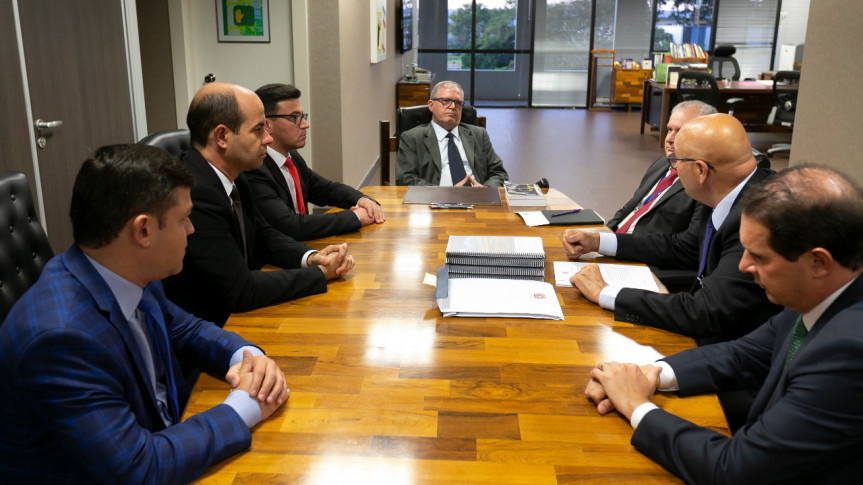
(89, 355)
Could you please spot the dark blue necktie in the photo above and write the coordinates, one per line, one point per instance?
(162, 362)
(705, 245)
(456, 165)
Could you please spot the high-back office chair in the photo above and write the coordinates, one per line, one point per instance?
(174, 142)
(410, 117)
(24, 247)
(785, 86)
(698, 85)
(722, 63)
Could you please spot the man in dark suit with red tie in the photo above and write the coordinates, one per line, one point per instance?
(802, 231)
(91, 381)
(222, 268)
(284, 184)
(659, 204)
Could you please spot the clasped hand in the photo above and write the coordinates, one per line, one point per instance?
(262, 378)
(622, 386)
(368, 212)
(333, 260)
(578, 243)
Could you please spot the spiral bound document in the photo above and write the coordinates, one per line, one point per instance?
(520, 247)
(508, 272)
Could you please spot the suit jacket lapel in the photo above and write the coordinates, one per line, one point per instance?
(777, 379)
(433, 148)
(80, 268)
(469, 144)
(276, 173)
(206, 176)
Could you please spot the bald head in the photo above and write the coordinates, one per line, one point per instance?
(216, 104)
(718, 139)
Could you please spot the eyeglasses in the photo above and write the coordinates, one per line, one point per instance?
(447, 102)
(296, 118)
(674, 162)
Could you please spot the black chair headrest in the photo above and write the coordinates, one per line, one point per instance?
(407, 118)
(724, 50)
(174, 142)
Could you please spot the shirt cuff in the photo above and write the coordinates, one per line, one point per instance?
(305, 262)
(238, 355)
(607, 296)
(639, 413)
(245, 405)
(667, 378)
(607, 244)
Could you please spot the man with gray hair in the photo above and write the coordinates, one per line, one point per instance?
(445, 152)
(659, 204)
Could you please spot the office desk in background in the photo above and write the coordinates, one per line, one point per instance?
(385, 390)
(753, 111)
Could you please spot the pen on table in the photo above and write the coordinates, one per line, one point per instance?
(573, 211)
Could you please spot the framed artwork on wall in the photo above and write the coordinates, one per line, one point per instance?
(243, 20)
(378, 30)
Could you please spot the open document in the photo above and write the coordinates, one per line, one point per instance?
(623, 275)
(484, 297)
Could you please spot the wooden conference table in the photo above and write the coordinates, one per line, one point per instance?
(753, 111)
(385, 390)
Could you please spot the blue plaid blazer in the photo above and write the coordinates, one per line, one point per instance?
(76, 404)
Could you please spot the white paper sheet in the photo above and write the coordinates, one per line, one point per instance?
(623, 275)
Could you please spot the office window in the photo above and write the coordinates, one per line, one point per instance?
(749, 25)
(683, 22)
(561, 52)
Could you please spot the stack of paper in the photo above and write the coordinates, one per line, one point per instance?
(511, 257)
(622, 275)
(498, 298)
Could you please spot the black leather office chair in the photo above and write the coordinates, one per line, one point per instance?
(24, 247)
(410, 117)
(722, 63)
(785, 86)
(174, 142)
(698, 85)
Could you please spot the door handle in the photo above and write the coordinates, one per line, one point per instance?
(43, 125)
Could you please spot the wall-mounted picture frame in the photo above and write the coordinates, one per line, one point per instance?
(243, 20)
(378, 32)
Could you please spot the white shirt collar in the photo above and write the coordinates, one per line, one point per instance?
(812, 316)
(720, 212)
(441, 133)
(227, 183)
(276, 156)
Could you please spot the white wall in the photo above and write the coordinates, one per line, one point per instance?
(197, 51)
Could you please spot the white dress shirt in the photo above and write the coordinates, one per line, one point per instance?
(443, 145)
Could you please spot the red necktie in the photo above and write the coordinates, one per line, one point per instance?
(301, 206)
(660, 187)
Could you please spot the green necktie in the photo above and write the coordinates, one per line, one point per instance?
(797, 336)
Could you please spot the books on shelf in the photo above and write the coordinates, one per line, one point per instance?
(508, 257)
(523, 194)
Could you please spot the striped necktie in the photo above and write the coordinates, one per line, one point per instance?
(797, 336)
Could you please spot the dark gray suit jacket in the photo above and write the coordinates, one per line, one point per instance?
(670, 214)
(273, 199)
(806, 424)
(418, 161)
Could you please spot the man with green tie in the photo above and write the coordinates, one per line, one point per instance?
(802, 231)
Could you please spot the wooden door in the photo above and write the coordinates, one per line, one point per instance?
(77, 72)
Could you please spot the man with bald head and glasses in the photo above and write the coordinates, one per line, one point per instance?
(715, 164)
(445, 152)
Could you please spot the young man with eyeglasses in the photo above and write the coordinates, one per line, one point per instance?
(426, 153)
(284, 184)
